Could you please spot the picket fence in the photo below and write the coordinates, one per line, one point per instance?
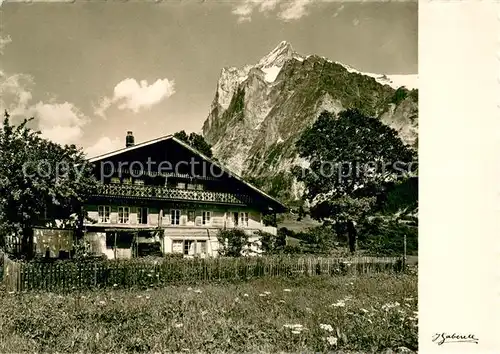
(72, 275)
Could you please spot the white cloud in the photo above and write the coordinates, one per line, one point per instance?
(339, 10)
(294, 10)
(134, 95)
(103, 145)
(3, 42)
(105, 103)
(15, 93)
(285, 10)
(60, 122)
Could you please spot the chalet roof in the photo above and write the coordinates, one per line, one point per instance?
(193, 150)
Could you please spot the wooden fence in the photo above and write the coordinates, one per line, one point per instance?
(71, 275)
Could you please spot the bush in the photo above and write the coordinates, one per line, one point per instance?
(232, 242)
(173, 255)
(269, 220)
(386, 237)
(271, 244)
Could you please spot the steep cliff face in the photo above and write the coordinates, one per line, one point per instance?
(259, 111)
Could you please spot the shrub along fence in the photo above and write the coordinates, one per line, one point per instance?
(70, 275)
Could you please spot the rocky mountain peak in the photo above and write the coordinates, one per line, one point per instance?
(277, 56)
(259, 111)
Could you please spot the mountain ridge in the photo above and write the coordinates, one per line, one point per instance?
(260, 110)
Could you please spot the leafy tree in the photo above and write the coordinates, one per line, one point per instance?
(351, 157)
(196, 141)
(271, 244)
(39, 180)
(270, 220)
(385, 237)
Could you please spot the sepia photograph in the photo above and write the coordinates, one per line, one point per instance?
(209, 176)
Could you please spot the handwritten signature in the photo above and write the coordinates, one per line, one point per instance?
(443, 338)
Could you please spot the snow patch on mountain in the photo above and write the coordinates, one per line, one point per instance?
(271, 73)
(409, 81)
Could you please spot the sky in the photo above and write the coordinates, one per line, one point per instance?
(90, 71)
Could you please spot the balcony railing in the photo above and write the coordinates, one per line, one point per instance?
(165, 193)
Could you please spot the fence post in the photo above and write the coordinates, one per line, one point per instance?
(404, 252)
(95, 274)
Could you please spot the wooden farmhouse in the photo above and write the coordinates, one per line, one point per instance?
(163, 196)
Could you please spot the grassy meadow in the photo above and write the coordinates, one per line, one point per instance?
(364, 313)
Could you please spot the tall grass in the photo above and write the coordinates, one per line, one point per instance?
(364, 313)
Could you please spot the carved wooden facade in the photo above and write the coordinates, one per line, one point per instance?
(165, 193)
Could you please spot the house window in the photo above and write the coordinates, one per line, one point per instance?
(123, 213)
(127, 180)
(177, 246)
(103, 211)
(191, 186)
(188, 247)
(142, 215)
(205, 220)
(190, 215)
(199, 186)
(235, 219)
(244, 219)
(110, 240)
(181, 185)
(115, 180)
(175, 215)
(139, 182)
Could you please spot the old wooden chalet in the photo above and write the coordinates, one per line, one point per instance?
(163, 196)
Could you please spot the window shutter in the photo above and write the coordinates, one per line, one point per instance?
(153, 219)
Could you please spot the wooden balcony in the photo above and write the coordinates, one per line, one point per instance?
(132, 191)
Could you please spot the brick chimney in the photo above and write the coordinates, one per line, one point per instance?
(129, 139)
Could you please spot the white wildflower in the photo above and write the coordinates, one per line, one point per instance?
(282, 301)
(190, 288)
(267, 292)
(148, 297)
(364, 310)
(178, 325)
(297, 327)
(390, 305)
(308, 309)
(262, 295)
(295, 332)
(340, 303)
(115, 285)
(332, 340)
(287, 290)
(102, 303)
(139, 296)
(245, 295)
(326, 327)
(198, 291)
